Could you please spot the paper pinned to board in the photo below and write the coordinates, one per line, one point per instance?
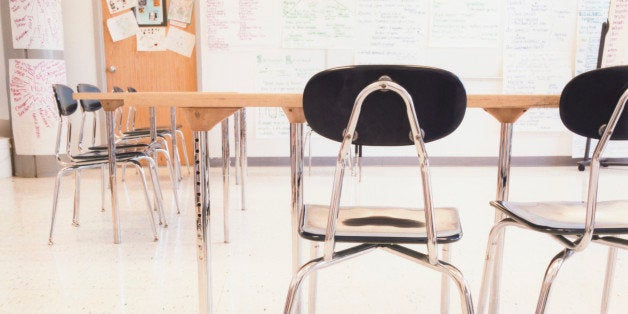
(616, 45)
(34, 111)
(180, 41)
(122, 26)
(36, 24)
(181, 10)
(151, 39)
(115, 6)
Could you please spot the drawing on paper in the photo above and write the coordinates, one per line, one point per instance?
(181, 10)
(151, 39)
(33, 109)
(36, 24)
(122, 26)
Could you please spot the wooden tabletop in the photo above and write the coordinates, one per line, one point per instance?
(505, 108)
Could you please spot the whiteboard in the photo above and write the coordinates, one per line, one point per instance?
(494, 46)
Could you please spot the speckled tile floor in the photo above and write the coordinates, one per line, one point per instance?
(84, 272)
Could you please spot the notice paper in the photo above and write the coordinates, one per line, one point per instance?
(151, 38)
(34, 112)
(180, 41)
(36, 24)
(122, 26)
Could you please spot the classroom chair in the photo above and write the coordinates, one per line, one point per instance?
(379, 105)
(70, 160)
(591, 105)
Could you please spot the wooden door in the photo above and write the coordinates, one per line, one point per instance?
(149, 71)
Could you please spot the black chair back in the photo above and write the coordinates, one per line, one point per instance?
(438, 95)
(131, 89)
(89, 105)
(589, 99)
(63, 97)
(117, 89)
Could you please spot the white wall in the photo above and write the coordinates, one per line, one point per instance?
(80, 45)
(4, 99)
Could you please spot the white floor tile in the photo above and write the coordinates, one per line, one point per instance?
(84, 272)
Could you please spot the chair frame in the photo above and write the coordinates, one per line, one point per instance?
(77, 162)
(571, 246)
(331, 256)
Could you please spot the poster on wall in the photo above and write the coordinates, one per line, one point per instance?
(616, 45)
(34, 113)
(115, 6)
(36, 24)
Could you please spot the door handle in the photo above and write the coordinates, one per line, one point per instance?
(112, 69)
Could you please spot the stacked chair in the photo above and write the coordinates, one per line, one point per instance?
(72, 161)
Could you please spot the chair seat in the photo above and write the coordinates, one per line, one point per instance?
(567, 218)
(380, 224)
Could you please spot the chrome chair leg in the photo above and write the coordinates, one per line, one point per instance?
(77, 197)
(608, 279)
(444, 282)
(317, 264)
(157, 191)
(185, 151)
(489, 262)
(173, 181)
(550, 275)
(103, 186)
(55, 201)
(148, 200)
(445, 268)
(314, 246)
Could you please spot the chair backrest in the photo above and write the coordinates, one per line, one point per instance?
(588, 101)
(89, 105)
(438, 95)
(63, 97)
(117, 89)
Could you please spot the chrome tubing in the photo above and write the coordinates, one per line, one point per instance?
(466, 301)
(173, 139)
(77, 197)
(296, 195)
(148, 200)
(548, 279)
(243, 155)
(201, 200)
(503, 184)
(319, 263)
(444, 282)
(236, 144)
(111, 147)
(225, 177)
(608, 279)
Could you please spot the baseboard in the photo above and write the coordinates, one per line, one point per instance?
(532, 161)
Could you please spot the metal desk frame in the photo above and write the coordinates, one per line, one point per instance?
(204, 110)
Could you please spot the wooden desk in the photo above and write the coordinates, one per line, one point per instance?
(204, 110)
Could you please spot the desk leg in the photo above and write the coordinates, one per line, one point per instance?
(202, 203)
(503, 182)
(296, 167)
(243, 158)
(225, 177)
(175, 149)
(111, 147)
